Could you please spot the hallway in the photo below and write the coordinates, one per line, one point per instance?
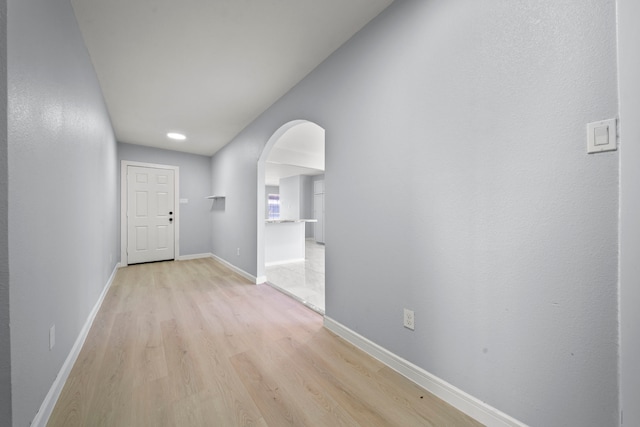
(191, 343)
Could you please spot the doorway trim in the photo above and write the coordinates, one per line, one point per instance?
(124, 165)
(262, 160)
(629, 207)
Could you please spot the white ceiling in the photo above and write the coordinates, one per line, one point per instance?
(299, 151)
(207, 68)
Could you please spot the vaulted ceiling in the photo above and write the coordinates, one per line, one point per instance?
(207, 68)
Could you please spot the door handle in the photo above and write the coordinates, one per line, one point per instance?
(170, 219)
(170, 213)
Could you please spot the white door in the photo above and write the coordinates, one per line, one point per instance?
(150, 214)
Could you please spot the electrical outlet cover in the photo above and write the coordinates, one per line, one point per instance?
(409, 319)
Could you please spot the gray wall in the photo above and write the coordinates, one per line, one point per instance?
(629, 70)
(63, 195)
(5, 342)
(234, 221)
(195, 185)
(496, 227)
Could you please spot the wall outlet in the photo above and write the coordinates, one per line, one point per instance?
(238, 251)
(409, 319)
(52, 336)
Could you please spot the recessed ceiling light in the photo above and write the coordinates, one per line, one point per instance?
(176, 136)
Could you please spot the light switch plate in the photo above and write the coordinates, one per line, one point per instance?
(602, 136)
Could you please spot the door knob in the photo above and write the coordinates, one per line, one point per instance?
(170, 219)
(170, 213)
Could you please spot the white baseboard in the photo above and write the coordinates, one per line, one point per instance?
(462, 401)
(241, 272)
(193, 256)
(42, 417)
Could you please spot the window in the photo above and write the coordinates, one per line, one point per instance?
(274, 206)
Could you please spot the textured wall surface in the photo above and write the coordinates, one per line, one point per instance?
(234, 220)
(460, 188)
(63, 211)
(5, 342)
(195, 185)
(629, 70)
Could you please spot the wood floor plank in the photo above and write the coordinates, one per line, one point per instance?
(398, 403)
(149, 351)
(412, 397)
(308, 393)
(152, 404)
(185, 376)
(193, 343)
(275, 404)
(229, 395)
(109, 403)
(360, 409)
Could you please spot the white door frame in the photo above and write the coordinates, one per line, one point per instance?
(262, 160)
(629, 227)
(124, 165)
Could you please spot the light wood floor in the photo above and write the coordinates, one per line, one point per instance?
(191, 343)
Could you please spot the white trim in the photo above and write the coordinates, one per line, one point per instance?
(628, 13)
(241, 272)
(261, 279)
(50, 400)
(124, 164)
(462, 401)
(193, 256)
(262, 160)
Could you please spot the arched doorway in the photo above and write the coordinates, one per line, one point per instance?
(290, 238)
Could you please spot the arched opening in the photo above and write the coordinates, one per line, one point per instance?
(291, 212)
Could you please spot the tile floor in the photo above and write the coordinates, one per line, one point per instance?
(302, 280)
